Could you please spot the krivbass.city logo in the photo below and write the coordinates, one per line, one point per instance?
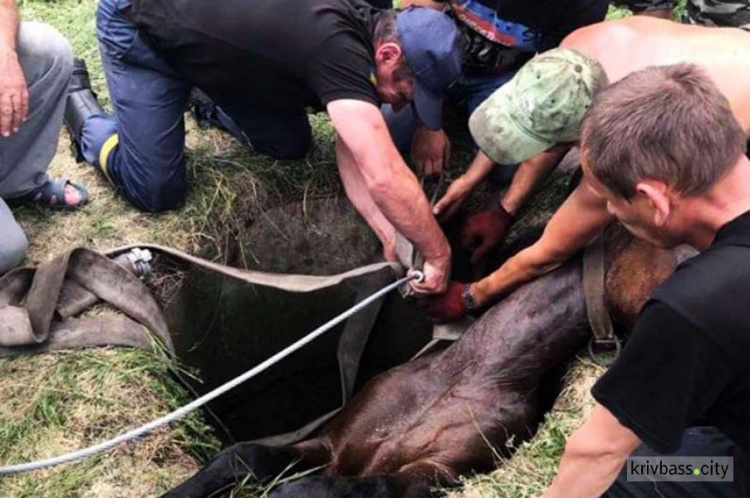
(655, 468)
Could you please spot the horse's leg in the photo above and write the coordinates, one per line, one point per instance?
(249, 460)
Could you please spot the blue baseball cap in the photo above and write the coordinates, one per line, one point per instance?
(431, 44)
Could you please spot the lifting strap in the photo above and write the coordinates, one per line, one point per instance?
(594, 293)
(37, 307)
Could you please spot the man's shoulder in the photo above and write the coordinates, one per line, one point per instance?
(628, 32)
(711, 286)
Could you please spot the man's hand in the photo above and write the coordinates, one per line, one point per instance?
(454, 198)
(484, 231)
(14, 94)
(430, 151)
(436, 278)
(450, 307)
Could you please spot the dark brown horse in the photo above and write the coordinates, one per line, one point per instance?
(438, 417)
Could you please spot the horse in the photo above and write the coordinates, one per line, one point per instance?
(447, 414)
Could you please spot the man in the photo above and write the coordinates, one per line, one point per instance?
(498, 220)
(536, 118)
(662, 149)
(266, 64)
(498, 38)
(35, 67)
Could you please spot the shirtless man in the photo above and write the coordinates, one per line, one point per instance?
(536, 118)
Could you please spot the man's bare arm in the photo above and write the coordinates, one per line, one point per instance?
(593, 457)
(393, 187)
(572, 227)
(356, 190)
(8, 24)
(461, 188)
(531, 173)
(14, 94)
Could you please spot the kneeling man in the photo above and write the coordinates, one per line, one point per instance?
(267, 64)
(663, 149)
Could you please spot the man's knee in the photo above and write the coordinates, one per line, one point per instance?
(13, 249)
(159, 195)
(48, 53)
(154, 191)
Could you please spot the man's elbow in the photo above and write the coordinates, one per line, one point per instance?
(379, 184)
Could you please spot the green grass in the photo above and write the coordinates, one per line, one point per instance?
(55, 403)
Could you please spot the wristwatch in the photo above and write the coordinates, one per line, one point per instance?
(468, 298)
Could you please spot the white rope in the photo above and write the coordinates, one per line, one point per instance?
(181, 412)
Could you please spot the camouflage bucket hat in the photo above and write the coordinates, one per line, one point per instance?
(543, 105)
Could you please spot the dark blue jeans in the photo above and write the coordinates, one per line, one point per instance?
(697, 441)
(149, 99)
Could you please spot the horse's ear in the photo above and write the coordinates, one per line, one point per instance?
(660, 198)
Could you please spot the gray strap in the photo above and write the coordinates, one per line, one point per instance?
(30, 327)
(357, 332)
(69, 284)
(291, 283)
(91, 332)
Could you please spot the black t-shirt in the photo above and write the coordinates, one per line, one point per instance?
(285, 56)
(501, 35)
(687, 360)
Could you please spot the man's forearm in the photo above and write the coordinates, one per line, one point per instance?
(356, 190)
(578, 221)
(402, 201)
(518, 270)
(585, 475)
(479, 168)
(531, 173)
(393, 187)
(8, 25)
(594, 455)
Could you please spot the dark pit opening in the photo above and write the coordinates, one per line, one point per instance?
(222, 327)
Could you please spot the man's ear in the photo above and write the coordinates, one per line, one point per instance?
(388, 54)
(657, 194)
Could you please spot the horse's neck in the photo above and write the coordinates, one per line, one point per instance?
(634, 269)
(530, 331)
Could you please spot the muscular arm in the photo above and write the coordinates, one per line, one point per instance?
(356, 190)
(573, 226)
(593, 456)
(14, 95)
(366, 143)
